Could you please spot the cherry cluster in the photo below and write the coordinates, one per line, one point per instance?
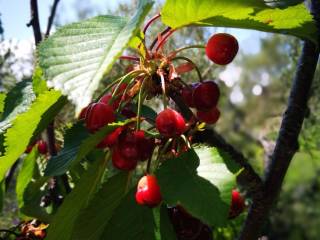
(41, 145)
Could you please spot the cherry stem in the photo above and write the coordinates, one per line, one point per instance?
(132, 58)
(122, 100)
(156, 39)
(150, 22)
(164, 39)
(128, 181)
(190, 61)
(148, 165)
(184, 48)
(140, 102)
(185, 139)
(162, 151)
(163, 86)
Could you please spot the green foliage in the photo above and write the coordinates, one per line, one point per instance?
(64, 220)
(100, 208)
(38, 82)
(77, 56)
(17, 101)
(78, 144)
(166, 228)
(250, 14)
(25, 125)
(25, 175)
(137, 224)
(2, 101)
(182, 182)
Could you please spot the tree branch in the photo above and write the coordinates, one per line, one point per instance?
(286, 145)
(34, 21)
(51, 17)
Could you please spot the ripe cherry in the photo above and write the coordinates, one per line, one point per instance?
(237, 204)
(148, 191)
(170, 123)
(83, 113)
(206, 95)
(210, 117)
(187, 94)
(98, 115)
(222, 48)
(111, 139)
(29, 148)
(107, 99)
(42, 147)
(122, 163)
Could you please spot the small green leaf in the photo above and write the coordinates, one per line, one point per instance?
(77, 56)
(100, 208)
(38, 82)
(181, 183)
(18, 100)
(25, 175)
(2, 101)
(249, 14)
(130, 221)
(26, 124)
(64, 220)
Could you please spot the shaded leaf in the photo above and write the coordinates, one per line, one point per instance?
(38, 82)
(64, 220)
(100, 208)
(130, 221)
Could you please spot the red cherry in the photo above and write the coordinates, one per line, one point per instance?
(111, 139)
(148, 191)
(145, 145)
(206, 95)
(120, 89)
(98, 115)
(83, 113)
(210, 117)
(237, 204)
(107, 99)
(42, 147)
(170, 123)
(29, 148)
(222, 48)
(186, 95)
(122, 163)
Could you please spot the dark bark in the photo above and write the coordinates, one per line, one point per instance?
(34, 22)
(286, 145)
(51, 17)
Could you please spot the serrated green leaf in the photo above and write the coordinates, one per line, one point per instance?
(250, 14)
(100, 208)
(77, 56)
(64, 220)
(18, 100)
(25, 175)
(182, 182)
(130, 221)
(78, 144)
(38, 82)
(2, 101)
(23, 127)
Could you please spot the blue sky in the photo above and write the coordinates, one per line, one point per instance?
(16, 13)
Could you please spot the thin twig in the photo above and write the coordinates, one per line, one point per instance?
(34, 21)
(51, 17)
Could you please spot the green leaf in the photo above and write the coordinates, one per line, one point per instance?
(18, 100)
(78, 143)
(64, 220)
(166, 227)
(25, 175)
(181, 183)
(77, 56)
(38, 82)
(250, 14)
(23, 127)
(2, 101)
(100, 208)
(31, 200)
(130, 221)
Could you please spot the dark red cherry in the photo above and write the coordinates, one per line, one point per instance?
(186, 94)
(113, 102)
(170, 123)
(206, 95)
(98, 115)
(122, 163)
(83, 113)
(209, 117)
(237, 204)
(145, 145)
(42, 147)
(111, 139)
(29, 148)
(222, 48)
(148, 191)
